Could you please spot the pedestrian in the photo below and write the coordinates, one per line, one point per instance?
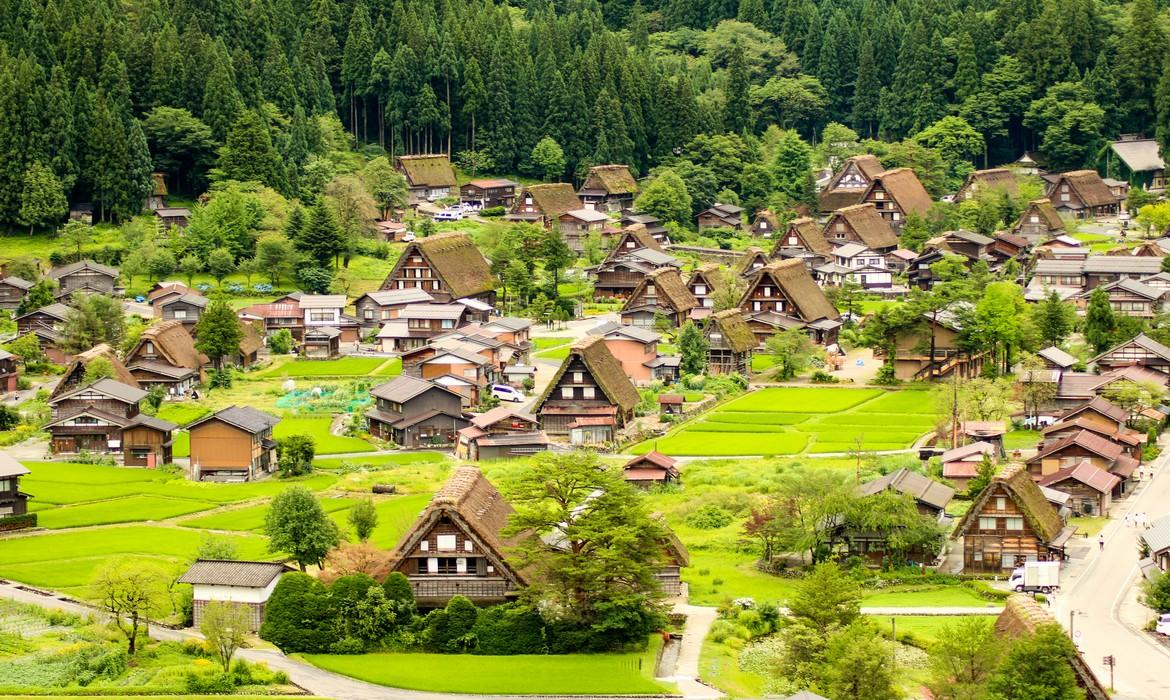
(1127, 519)
(1101, 541)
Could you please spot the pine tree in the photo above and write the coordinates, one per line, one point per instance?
(837, 68)
(60, 126)
(249, 154)
(736, 110)
(218, 333)
(866, 92)
(321, 238)
(474, 96)
(792, 169)
(42, 198)
(966, 79)
(914, 100)
(11, 144)
(613, 140)
(752, 11)
(1139, 61)
(107, 159)
(1099, 321)
(221, 100)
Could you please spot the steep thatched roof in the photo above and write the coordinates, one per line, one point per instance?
(1089, 186)
(172, 341)
(252, 339)
(708, 274)
(735, 330)
(669, 289)
(1021, 616)
(430, 170)
(637, 234)
(809, 233)
(456, 260)
(798, 286)
(1000, 179)
(606, 371)
(903, 186)
(75, 372)
(834, 196)
(1020, 487)
(868, 224)
(614, 179)
(751, 255)
(1042, 208)
(554, 198)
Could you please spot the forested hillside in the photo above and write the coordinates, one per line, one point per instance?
(95, 94)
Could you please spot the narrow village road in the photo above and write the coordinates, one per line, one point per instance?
(1105, 586)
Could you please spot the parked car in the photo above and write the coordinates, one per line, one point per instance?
(503, 392)
(1163, 625)
(449, 215)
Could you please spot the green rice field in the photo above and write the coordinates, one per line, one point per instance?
(343, 367)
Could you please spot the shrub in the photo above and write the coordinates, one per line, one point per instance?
(509, 629)
(492, 212)
(347, 645)
(820, 376)
(280, 342)
(217, 683)
(298, 616)
(397, 588)
(709, 517)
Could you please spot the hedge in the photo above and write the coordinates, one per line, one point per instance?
(18, 522)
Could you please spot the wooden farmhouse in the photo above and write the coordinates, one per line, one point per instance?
(961, 464)
(609, 188)
(589, 398)
(12, 291)
(169, 217)
(45, 323)
(850, 183)
(782, 295)
(463, 368)
(1099, 412)
(651, 223)
(448, 266)
(103, 417)
(1011, 522)
(703, 284)
(417, 324)
(861, 223)
(1157, 540)
(9, 378)
(896, 194)
(1055, 358)
(328, 311)
(74, 374)
(165, 289)
(721, 216)
(932, 349)
(1000, 181)
(165, 356)
(413, 412)
(543, 204)
(753, 258)
(1083, 446)
(12, 500)
(651, 468)
(233, 444)
(635, 255)
(501, 433)
(276, 316)
(321, 343)
(246, 583)
(1083, 194)
(375, 308)
(632, 239)
(85, 276)
(428, 177)
(489, 193)
(457, 545)
(730, 342)
(765, 225)
(1090, 487)
(661, 293)
(802, 235)
(1142, 351)
(578, 224)
(930, 498)
(1138, 161)
(1039, 222)
(634, 347)
(1129, 297)
(184, 308)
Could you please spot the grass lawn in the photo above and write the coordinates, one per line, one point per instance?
(550, 341)
(1021, 439)
(182, 413)
(570, 674)
(761, 362)
(252, 517)
(383, 460)
(555, 354)
(939, 597)
(809, 399)
(318, 429)
(716, 575)
(344, 367)
(925, 628)
(728, 444)
(119, 510)
(390, 368)
(1088, 526)
(719, 666)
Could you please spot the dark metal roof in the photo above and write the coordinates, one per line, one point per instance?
(244, 574)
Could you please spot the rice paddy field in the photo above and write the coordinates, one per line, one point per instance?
(803, 420)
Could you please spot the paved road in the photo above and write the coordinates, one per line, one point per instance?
(1106, 587)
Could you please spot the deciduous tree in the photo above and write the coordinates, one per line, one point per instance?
(296, 524)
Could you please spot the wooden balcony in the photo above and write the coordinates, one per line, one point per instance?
(442, 587)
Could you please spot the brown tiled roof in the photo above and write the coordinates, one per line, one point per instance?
(869, 225)
(457, 260)
(606, 371)
(82, 360)
(1019, 485)
(1086, 473)
(246, 418)
(1103, 447)
(173, 342)
(431, 170)
(669, 288)
(87, 264)
(554, 198)
(498, 414)
(614, 179)
(245, 574)
(1102, 406)
(654, 457)
(904, 187)
(732, 324)
(798, 286)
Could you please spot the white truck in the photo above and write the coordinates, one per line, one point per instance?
(1036, 577)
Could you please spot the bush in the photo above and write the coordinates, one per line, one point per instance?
(398, 589)
(299, 616)
(348, 645)
(218, 683)
(492, 212)
(280, 342)
(820, 376)
(709, 517)
(219, 379)
(509, 629)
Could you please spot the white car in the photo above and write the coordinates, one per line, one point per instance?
(449, 215)
(1163, 625)
(503, 392)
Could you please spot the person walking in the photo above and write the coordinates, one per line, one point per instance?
(1101, 540)
(1127, 519)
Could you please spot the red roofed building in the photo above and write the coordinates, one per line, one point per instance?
(1091, 488)
(651, 468)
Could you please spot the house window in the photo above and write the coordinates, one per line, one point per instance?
(448, 565)
(470, 373)
(879, 195)
(467, 546)
(716, 336)
(5, 484)
(432, 565)
(700, 289)
(630, 245)
(1033, 219)
(85, 420)
(1015, 524)
(987, 524)
(368, 314)
(897, 216)
(793, 240)
(589, 392)
(320, 316)
(767, 291)
(424, 545)
(445, 543)
(566, 392)
(977, 555)
(1000, 503)
(448, 323)
(755, 306)
(578, 377)
(149, 347)
(461, 565)
(840, 227)
(180, 314)
(708, 302)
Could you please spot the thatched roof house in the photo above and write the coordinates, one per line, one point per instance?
(662, 291)
(849, 184)
(427, 170)
(902, 189)
(803, 233)
(447, 266)
(993, 179)
(861, 223)
(74, 374)
(544, 203)
(1021, 616)
(589, 392)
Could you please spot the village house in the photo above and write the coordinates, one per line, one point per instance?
(1157, 540)
(375, 308)
(660, 294)
(636, 255)
(730, 342)
(417, 324)
(45, 323)
(501, 433)
(899, 260)
(1129, 297)
(233, 444)
(671, 404)
(930, 498)
(651, 468)
(1090, 487)
(1011, 522)
(428, 176)
(103, 417)
(448, 266)
(184, 308)
(608, 188)
(245, 583)
(589, 398)
(961, 464)
(9, 378)
(488, 193)
(896, 194)
(328, 311)
(1083, 446)
(458, 367)
(1100, 270)
(1065, 277)
(1082, 193)
(1142, 351)
(12, 500)
(764, 224)
(802, 235)
(577, 225)
(863, 224)
(165, 289)
(85, 276)
(512, 330)
(858, 264)
(413, 412)
(932, 350)
(276, 316)
(1008, 246)
(781, 295)
(1075, 388)
(170, 217)
(457, 546)
(752, 259)
(543, 204)
(634, 347)
(74, 374)
(1055, 358)
(849, 185)
(1137, 161)
(321, 343)
(1100, 412)
(721, 216)
(1039, 222)
(652, 224)
(1001, 181)
(12, 291)
(703, 285)
(1021, 617)
(165, 356)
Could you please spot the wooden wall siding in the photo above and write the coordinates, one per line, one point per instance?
(724, 361)
(993, 544)
(85, 278)
(217, 445)
(37, 321)
(766, 295)
(416, 273)
(569, 380)
(98, 401)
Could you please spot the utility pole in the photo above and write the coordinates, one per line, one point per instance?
(955, 408)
